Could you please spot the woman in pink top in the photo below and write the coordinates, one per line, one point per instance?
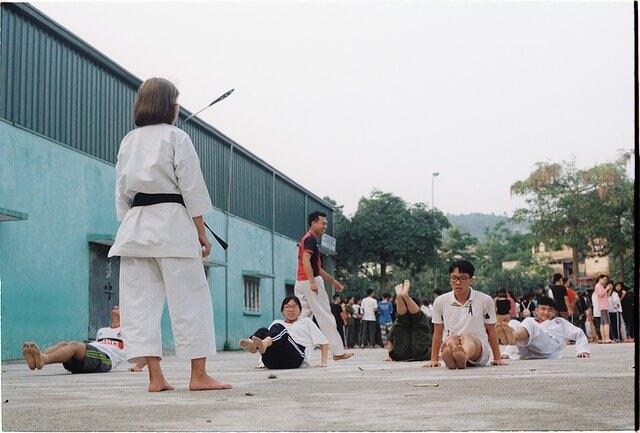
(603, 304)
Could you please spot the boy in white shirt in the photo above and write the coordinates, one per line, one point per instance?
(369, 308)
(545, 336)
(464, 323)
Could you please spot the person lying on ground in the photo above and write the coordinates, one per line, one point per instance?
(100, 356)
(288, 343)
(464, 323)
(543, 337)
(410, 336)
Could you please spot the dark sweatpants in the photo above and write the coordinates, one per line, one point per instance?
(411, 337)
(284, 352)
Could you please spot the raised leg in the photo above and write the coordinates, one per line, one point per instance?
(401, 307)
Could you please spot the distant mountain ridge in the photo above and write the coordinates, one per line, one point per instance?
(475, 223)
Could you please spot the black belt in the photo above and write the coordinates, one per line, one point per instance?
(143, 199)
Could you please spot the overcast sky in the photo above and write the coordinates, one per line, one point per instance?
(347, 97)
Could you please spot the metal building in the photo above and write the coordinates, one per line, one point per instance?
(64, 108)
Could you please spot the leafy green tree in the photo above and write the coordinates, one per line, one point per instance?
(500, 244)
(615, 191)
(386, 231)
(520, 279)
(564, 207)
(458, 244)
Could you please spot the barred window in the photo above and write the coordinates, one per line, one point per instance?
(252, 294)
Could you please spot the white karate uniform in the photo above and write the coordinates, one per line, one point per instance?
(317, 304)
(158, 244)
(546, 339)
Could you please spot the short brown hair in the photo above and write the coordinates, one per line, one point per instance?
(155, 102)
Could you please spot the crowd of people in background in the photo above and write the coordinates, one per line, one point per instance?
(604, 312)
(366, 322)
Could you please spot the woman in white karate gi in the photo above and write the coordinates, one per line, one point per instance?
(160, 199)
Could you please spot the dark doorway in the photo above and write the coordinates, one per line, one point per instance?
(288, 290)
(567, 269)
(104, 276)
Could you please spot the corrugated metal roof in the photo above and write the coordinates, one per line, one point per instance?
(56, 85)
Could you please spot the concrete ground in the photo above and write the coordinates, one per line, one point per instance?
(361, 394)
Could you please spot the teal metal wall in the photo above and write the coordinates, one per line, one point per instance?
(44, 260)
(252, 191)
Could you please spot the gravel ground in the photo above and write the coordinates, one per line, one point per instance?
(361, 394)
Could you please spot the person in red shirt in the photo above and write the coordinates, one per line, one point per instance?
(309, 286)
(572, 296)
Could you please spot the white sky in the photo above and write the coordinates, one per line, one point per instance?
(345, 97)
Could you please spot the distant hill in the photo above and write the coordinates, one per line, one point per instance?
(475, 223)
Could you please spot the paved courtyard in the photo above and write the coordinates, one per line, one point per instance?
(361, 394)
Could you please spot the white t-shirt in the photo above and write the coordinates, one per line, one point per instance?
(594, 302)
(369, 307)
(614, 303)
(469, 317)
(356, 310)
(159, 159)
(426, 309)
(109, 341)
(305, 332)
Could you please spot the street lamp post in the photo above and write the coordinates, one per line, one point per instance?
(433, 209)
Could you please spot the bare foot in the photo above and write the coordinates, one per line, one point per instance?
(459, 356)
(405, 287)
(249, 345)
(37, 356)
(138, 367)
(206, 383)
(26, 354)
(345, 355)
(259, 344)
(398, 290)
(447, 357)
(160, 386)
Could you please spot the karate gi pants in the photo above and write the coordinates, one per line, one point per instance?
(144, 284)
(284, 352)
(317, 304)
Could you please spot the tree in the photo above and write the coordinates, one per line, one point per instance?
(500, 244)
(386, 231)
(458, 244)
(564, 207)
(615, 191)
